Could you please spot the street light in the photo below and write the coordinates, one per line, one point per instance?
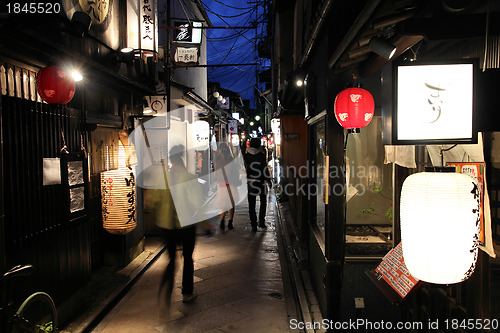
(77, 76)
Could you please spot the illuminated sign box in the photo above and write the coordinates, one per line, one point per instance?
(430, 104)
(187, 34)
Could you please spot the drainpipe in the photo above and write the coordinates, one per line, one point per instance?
(317, 27)
(2, 219)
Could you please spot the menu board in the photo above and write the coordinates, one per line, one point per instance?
(392, 269)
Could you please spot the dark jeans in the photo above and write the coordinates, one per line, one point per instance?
(185, 237)
(257, 188)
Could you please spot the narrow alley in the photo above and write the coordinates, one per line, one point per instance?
(238, 280)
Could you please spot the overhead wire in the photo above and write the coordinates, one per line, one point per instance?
(234, 82)
(227, 46)
(230, 76)
(224, 38)
(230, 16)
(245, 59)
(231, 49)
(206, 8)
(239, 8)
(218, 51)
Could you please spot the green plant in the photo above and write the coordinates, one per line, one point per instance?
(370, 209)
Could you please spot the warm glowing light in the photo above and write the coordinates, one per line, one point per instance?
(127, 49)
(392, 53)
(435, 102)
(118, 197)
(299, 83)
(439, 226)
(235, 140)
(77, 76)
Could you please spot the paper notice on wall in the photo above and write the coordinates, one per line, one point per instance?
(393, 270)
(51, 171)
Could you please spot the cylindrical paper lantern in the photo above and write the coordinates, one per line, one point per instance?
(55, 85)
(354, 108)
(440, 226)
(119, 200)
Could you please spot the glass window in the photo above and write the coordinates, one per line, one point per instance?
(369, 222)
(319, 167)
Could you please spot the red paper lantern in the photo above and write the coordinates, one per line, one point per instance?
(55, 85)
(354, 108)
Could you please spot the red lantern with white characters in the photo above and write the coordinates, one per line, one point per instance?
(55, 85)
(354, 108)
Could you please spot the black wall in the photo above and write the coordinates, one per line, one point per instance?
(39, 228)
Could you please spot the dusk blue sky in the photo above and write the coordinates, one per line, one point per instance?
(230, 46)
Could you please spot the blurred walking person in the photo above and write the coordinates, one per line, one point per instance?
(257, 177)
(168, 217)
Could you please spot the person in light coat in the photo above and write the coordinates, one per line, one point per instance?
(175, 206)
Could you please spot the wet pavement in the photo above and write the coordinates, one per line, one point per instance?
(238, 279)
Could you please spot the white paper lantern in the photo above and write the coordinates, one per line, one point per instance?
(440, 226)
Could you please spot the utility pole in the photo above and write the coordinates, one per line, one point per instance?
(167, 61)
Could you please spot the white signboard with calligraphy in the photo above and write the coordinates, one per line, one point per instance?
(434, 102)
(201, 135)
(148, 24)
(187, 34)
(186, 55)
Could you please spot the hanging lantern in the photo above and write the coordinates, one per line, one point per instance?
(440, 226)
(55, 85)
(354, 108)
(118, 197)
(119, 200)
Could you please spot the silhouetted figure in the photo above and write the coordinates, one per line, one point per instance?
(257, 176)
(187, 199)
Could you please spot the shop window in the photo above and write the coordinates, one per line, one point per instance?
(319, 168)
(369, 221)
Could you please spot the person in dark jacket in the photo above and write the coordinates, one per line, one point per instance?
(257, 176)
